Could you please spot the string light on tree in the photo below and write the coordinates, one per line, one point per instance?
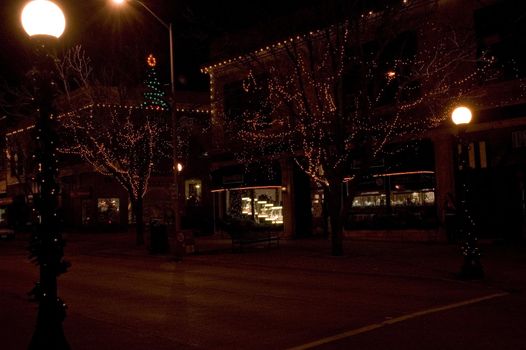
(293, 103)
(123, 142)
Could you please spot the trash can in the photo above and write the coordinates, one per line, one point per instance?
(179, 246)
(189, 243)
(158, 237)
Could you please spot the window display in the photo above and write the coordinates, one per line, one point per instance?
(193, 192)
(369, 199)
(394, 200)
(376, 199)
(261, 204)
(3, 217)
(108, 210)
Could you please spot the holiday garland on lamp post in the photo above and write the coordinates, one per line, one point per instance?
(44, 21)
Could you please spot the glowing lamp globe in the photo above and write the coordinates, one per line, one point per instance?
(461, 115)
(118, 2)
(43, 17)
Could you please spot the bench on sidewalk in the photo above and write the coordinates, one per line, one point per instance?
(240, 239)
(247, 233)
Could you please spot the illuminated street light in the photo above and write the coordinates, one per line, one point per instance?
(44, 21)
(461, 115)
(170, 33)
(174, 121)
(471, 267)
(43, 17)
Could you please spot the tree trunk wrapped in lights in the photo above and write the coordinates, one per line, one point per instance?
(334, 98)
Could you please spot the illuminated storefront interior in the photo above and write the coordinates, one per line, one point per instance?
(3, 216)
(192, 191)
(108, 210)
(263, 205)
(395, 199)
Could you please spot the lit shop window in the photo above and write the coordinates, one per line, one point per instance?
(192, 190)
(317, 199)
(398, 199)
(369, 199)
(413, 198)
(108, 210)
(3, 217)
(263, 205)
(477, 155)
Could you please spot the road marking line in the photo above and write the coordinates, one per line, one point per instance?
(374, 326)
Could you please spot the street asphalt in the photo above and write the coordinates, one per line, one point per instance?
(379, 295)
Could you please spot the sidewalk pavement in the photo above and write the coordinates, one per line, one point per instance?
(386, 264)
(504, 264)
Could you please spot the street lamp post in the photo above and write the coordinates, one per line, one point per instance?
(471, 267)
(44, 22)
(174, 121)
(170, 34)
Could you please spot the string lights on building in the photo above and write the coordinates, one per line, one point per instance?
(298, 110)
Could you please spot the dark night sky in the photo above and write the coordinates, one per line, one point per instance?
(124, 36)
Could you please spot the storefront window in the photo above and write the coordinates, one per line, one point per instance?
(416, 198)
(3, 217)
(193, 190)
(403, 189)
(317, 203)
(108, 210)
(394, 200)
(369, 199)
(263, 205)
(420, 198)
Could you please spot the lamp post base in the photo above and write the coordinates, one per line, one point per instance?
(471, 269)
(49, 333)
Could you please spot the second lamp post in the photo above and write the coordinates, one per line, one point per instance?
(176, 164)
(466, 229)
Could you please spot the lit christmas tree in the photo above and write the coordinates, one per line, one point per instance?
(154, 95)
